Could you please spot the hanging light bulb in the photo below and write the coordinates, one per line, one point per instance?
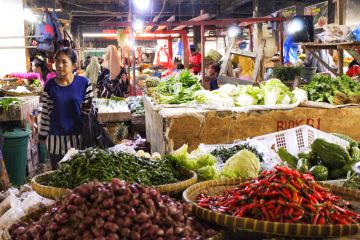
(142, 4)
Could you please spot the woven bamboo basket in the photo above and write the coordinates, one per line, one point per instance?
(56, 193)
(47, 191)
(264, 227)
(35, 215)
(179, 186)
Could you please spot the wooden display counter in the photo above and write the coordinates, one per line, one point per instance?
(169, 128)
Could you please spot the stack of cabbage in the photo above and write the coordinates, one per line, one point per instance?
(272, 92)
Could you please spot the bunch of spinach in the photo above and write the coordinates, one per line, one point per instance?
(224, 153)
(177, 89)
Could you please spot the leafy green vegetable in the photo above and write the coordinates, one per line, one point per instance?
(339, 90)
(91, 164)
(206, 173)
(353, 181)
(5, 103)
(177, 89)
(286, 73)
(243, 164)
(224, 153)
(276, 92)
(198, 160)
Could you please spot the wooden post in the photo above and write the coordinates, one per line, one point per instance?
(170, 48)
(340, 8)
(185, 49)
(281, 40)
(251, 39)
(202, 36)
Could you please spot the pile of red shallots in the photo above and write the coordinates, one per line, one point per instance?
(111, 211)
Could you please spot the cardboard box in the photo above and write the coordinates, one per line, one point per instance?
(169, 128)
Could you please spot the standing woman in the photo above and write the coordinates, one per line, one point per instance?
(63, 101)
(111, 70)
(92, 71)
(40, 71)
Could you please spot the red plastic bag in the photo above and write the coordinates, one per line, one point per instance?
(353, 71)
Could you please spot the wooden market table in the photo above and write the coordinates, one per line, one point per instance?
(350, 47)
(167, 129)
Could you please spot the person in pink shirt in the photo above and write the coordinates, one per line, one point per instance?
(40, 71)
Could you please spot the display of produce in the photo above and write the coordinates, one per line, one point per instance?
(136, 105)
(282, 195)
(5, 103)
(114, 105)
(96, 164)
(353, 181)
(325, 160)
(198, 160)
(337, 91)
(177, 89)
(224, 153)
(271, 92)
(151, 82)
(116, 210)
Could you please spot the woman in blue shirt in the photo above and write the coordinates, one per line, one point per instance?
(63, 100)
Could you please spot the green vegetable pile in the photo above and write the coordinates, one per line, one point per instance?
(136, 105)
(5, 103)
(224, 153)
(177, 89)
(337, 91)
(325, 161)
(198, 160)
(353, 181)
(286, 73)
(96, 164)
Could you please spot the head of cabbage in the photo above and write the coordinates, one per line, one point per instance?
(243, 164)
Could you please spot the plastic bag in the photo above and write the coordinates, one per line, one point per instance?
(13, 214)
(334, 33)
(290, 51)
(356, 33)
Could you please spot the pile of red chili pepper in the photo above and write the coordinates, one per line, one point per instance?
(282, 195)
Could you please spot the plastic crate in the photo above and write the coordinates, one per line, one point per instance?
(297, 139)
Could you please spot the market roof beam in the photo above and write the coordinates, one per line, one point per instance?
(171, 19)
(218, 22)
(199, 18)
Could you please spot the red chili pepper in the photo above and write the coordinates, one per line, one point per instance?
(287, 194)
(314, 219)
(310, 207)
(266, 214)
(277, 210)
(295, 184)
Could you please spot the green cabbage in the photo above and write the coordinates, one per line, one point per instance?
(243, 164)
(206, 173)
(277, 93)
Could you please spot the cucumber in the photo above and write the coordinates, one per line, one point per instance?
(287, 157)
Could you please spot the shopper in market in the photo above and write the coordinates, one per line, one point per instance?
(92, 72)
(40, 71)
(63, 101)
(213, 74)
(195, 60)
(109, 82)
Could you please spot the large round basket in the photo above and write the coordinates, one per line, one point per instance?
(264, 227)
(191, 178)
(37, 183)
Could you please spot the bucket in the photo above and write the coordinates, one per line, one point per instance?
(308, 73)
(15, 154)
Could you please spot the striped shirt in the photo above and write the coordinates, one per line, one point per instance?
(61, 119)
